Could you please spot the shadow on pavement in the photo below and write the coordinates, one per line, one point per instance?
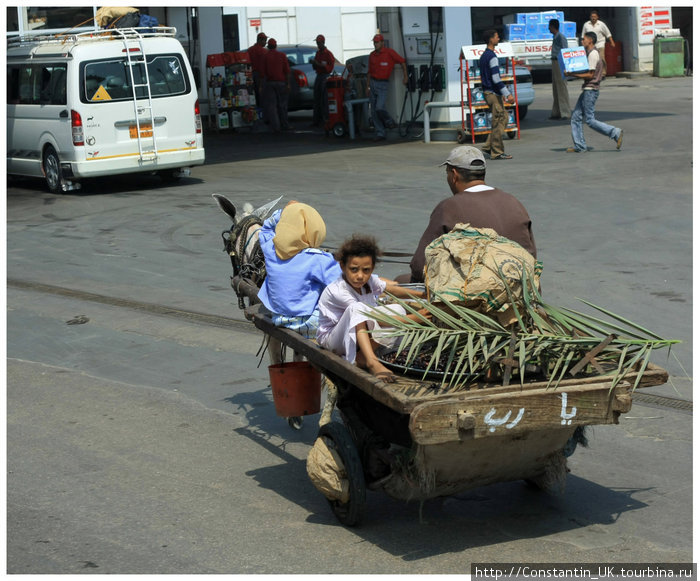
(481, 517)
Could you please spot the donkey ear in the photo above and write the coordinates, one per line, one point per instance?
(226, 206)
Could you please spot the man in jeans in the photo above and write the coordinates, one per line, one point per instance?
(381, 64)
(495, 93)
(585, 106)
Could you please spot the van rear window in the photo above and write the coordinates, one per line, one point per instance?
(109, 79)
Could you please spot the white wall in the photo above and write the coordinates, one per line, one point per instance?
(458, 27)
(348, 30)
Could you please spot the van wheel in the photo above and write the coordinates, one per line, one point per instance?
(51, 166)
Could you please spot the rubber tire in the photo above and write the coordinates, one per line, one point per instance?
(461, 137)
(51, 166)
(338, 437)
(512, 134)
(339, 130)
(522, 112)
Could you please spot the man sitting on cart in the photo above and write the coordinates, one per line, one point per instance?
(475, 203)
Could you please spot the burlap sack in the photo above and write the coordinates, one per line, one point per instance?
(106, 15)
(473, 266)
(327, 472)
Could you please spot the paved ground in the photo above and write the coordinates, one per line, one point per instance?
(144, 440)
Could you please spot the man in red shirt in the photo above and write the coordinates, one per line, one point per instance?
(381, 64)
(276, 88)
(323, 66)
(257, 62)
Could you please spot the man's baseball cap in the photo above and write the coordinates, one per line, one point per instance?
(262, 35)
(320, 38)
(466, 157)
(378, 38)
(272, 43)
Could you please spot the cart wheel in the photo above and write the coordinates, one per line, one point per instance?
(461, 137)
(339, 129)
(296, 422)
(338, 437)
(512, 134)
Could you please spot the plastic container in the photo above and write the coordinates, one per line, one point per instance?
(223, 120)
(296, 389)
(613, 58)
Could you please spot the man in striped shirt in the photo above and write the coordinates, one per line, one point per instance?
(495, 93)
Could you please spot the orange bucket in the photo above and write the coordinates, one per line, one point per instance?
(296, 389)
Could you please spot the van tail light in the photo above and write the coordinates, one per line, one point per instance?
(76, 123)
(197, 117)
(302, 81)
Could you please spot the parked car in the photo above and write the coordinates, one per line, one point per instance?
(526, 91)
(301, 95)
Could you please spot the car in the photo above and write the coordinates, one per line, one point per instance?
(301, 95)
(526, 91)
(525, 88)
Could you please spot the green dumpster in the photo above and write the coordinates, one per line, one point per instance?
(668, 56)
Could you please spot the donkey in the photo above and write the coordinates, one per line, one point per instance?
(248, 262)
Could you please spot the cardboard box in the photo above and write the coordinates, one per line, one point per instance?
(568, 29)
(543, 31)
(514, 32)
(533, 18)
(573, 60)
(532, 31)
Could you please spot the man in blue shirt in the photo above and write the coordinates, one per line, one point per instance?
(561, 108)
(495, 93)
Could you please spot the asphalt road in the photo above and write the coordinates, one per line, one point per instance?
(141, 433)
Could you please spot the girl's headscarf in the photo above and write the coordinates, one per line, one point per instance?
(299, 227)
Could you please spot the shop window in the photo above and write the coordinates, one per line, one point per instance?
(60, 17)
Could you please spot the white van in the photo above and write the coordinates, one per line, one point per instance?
(101, 103)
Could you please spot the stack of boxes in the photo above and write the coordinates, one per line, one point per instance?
(535, 25)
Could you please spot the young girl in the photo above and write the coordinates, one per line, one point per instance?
(345, 306)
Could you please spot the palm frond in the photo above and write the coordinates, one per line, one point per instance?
(463, 343)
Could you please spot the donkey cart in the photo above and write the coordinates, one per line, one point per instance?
(419, 438)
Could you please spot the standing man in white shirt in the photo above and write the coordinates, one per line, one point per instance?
(602, 32)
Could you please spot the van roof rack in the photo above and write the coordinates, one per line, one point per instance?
(98, 35)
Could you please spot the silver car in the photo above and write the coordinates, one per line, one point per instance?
(301, 95)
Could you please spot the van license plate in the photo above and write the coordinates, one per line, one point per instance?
(146, 130)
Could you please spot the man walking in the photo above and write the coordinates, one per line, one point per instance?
(381, 64)
(602, 33)
(561, 109)
(322, 63)
(277, 84)
(473, 202)
(585, 106)
(495, 93)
